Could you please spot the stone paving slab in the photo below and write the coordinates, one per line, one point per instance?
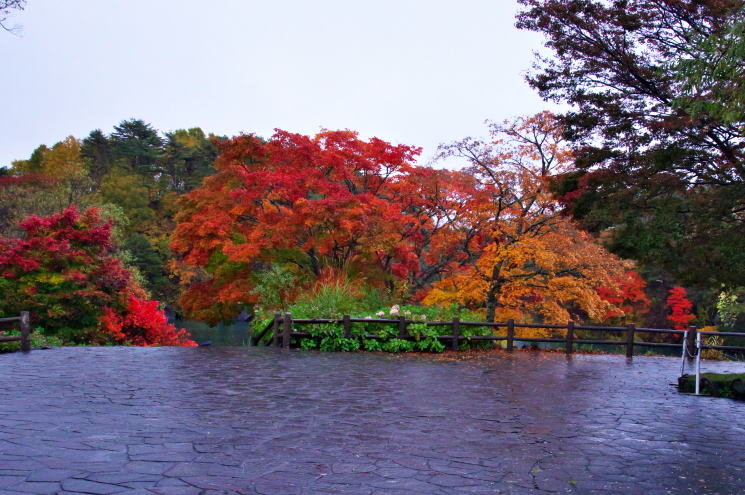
(267, 421)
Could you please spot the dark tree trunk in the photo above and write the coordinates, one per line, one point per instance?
(314, 265)
(495, 288)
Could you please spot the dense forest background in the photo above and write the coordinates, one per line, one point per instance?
(139, 178)
(133, 174)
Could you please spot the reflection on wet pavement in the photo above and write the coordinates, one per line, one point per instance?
(267, 421)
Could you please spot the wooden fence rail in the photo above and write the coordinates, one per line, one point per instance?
(722, 335)
(283, 329)
(25, 323)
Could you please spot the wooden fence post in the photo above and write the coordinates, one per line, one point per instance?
(287, 330)
(275, 335)
(510, 334)
(691, 342)
(402, 327)
(347, 327)
(25, 331)
(570, 337)
(630, 329)
(456, 333)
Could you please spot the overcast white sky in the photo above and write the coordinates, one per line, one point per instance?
(414, 72)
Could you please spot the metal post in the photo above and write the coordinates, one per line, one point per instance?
(683, 356)
(570, 337)
(698, 361)
(25, 331)
(287, 331)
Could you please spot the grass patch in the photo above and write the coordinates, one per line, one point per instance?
(731, 385)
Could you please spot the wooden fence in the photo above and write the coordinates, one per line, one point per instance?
(282, 330)
(723, 336)
(24, 321)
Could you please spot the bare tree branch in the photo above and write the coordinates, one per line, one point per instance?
(6, 11)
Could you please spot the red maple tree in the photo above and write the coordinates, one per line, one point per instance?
(330, 201)
(142, 324)
(680, 308)
(627, 297)
(65, 272)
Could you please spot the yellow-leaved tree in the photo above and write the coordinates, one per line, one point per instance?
(552, 277)
(535, 265)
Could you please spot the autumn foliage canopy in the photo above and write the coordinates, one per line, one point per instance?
(331, 201)
(294, 215)
(488, 237)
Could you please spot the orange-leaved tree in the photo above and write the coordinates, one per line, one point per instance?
(551, 277)
(440, 227)
(535, 264)
(314, 203)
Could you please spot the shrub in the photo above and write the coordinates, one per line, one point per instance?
(37, 338)
(143, 324)
(330, 336)
(712, 340)
(65, 272)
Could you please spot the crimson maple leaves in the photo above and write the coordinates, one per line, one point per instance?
(680, 308)
(64, 271)
(329, 201)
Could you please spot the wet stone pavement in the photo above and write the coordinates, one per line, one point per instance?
(266, 421)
